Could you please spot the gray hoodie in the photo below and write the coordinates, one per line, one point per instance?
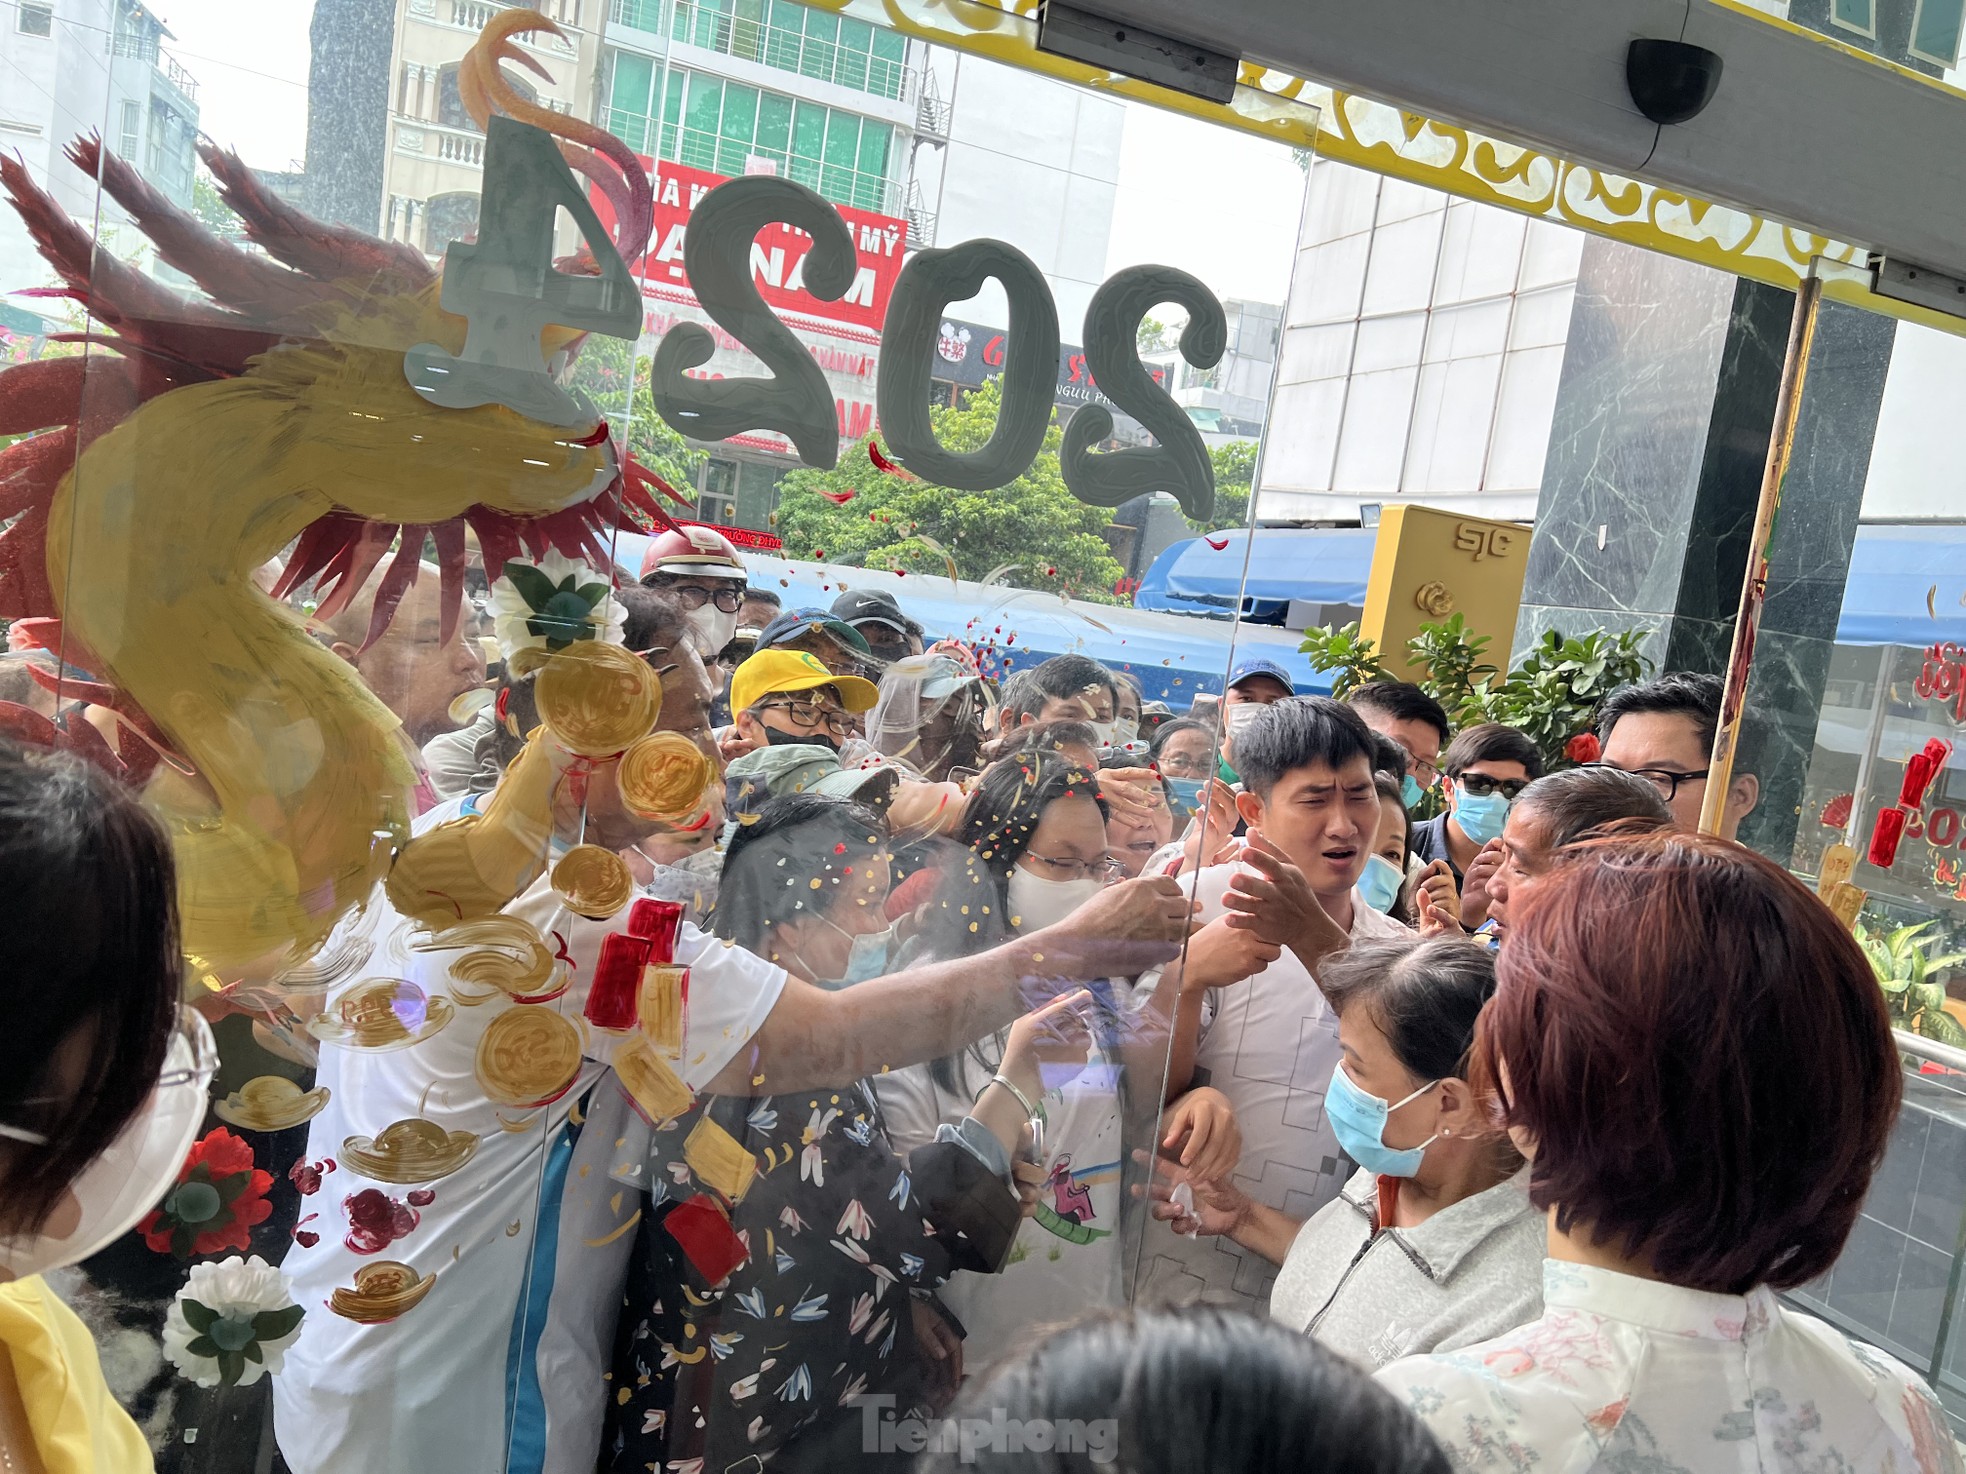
(1470, 1272)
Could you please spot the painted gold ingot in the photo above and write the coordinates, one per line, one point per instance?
(271, 1103)
(664, 776)
(409, 1152)
(597, 698)
(383, 1290)
(720, 1159)
(381, 1013)
(475, 866)
(657, 1090)
(595, 883)
(527, 1057)
(661, 1007)
(500, 955)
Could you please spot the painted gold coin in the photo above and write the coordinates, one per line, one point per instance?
(270, 1103)
(499, 955)
(596, 699)
(664, 776)
(383, 1290)
(527, 1057)
(594, 882)
(409, 1152)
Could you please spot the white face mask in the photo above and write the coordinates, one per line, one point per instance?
(1036, 903)
(1240, 717)
(1104, 731)
(713, 629)
(1125, 730)
(139, 1167)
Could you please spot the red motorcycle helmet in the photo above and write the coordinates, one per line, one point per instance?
(694, 552)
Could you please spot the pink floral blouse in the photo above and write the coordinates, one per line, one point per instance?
(1628, 1376)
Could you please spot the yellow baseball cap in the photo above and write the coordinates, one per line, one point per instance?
(772, 672)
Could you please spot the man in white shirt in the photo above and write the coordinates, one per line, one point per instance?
(1270, 1044)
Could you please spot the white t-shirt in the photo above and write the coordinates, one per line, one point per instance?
(427, 1393)
(1269, 1044)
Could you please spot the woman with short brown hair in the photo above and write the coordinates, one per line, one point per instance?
(1695, 1058)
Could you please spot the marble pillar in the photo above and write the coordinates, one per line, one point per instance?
(1661, 429)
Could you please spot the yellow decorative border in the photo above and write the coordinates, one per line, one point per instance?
(1387, 140)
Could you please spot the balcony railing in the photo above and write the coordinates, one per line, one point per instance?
(475, 15)
(639, 15)
(178, 76)
(733, 156)
(787, 51)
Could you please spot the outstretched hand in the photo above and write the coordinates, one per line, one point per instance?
(1270, 896)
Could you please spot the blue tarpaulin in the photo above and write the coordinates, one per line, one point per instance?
(1323, 565)
(1894, 568)
(1173, 656)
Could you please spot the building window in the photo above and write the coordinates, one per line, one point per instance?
(1855, 15)
(128, 142)
(450, 103)
(34, 19)
(795, 38)
(631, 88)
(447, 218)
(723, 127)
(716, 501)
(1935, 28)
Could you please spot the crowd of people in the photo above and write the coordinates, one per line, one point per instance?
(1485, 1140)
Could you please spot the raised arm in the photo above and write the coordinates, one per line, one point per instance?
(814, 1037)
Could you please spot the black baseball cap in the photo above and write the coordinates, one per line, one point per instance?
(869, 606)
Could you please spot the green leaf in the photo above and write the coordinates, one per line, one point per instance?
(1928, 997)
(231, 1367)
(198, 1315)
(1942, 1026)
(271, 1325)
(593, 593)
(533, 586)
(202, 1346)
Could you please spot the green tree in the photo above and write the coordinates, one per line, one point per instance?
(600, 370)
(1235, 468)
(857, 515)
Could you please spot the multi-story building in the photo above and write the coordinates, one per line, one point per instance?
(915, 145)
(433, 172)
(90, 66)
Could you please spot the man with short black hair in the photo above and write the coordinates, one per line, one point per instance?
(1663, 731)
(1402, 711)
(1485, 767)
(1270, 1044)
(1063, 688)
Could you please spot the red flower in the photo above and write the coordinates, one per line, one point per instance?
(219, 1196)
(1583, 748)
(376, 1220)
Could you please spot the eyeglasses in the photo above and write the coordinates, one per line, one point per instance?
(1666, 780)
(1425, 771)
(1103, 868)
(1480, 785)
(694, 596)
(809, 714)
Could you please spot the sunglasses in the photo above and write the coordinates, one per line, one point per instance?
(1480, 785)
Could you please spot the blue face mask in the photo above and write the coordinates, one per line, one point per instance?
(1411, 792)
(1359, 1122)
(1480, 815)
(866, 959)
(1379, 886)
(1186, 793)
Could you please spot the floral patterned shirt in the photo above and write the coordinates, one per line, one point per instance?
(1629, 1376)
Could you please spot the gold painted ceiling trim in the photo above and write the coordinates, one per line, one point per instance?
(1387, 140)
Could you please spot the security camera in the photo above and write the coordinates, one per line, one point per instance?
(1671, 81)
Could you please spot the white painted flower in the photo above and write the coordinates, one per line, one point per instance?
(549, 604)
(232, 1322)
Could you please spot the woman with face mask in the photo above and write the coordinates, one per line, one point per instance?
(102, 1087)
(803, 885)
(1033, 850)
(1433, 1244)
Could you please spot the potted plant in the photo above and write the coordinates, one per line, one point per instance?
(1902, 964)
